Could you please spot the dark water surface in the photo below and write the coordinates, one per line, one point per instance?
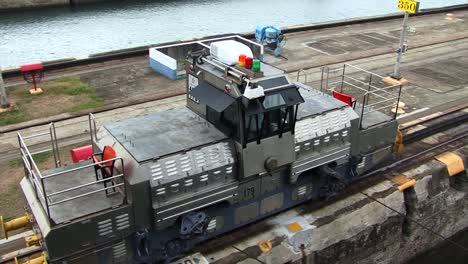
(446, 252)
(56, 33)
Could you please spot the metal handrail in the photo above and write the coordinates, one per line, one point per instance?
(36, 183)
(84, 185)
(79, 168)
(36, 135)
(367, 92)
(370, 94)
(25, 152)
(361, 69)
(383, 101)
(31, 166)
(92, 126)
(85, 194)
(367, 84)
(377, 109)
(305, 75)
(37, 180)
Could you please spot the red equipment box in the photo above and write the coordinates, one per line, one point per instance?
(81, 153)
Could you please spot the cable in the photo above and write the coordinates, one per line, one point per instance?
(245, 253)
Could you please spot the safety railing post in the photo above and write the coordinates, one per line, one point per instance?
(45, 197)
(342, 77)
(369, 86)
(31, 173)
(365, 101)
(299, 74)
(321, 78)
(92, 130)
(397, 102)
(362, 110)
(21, 153)
(54, 145)
(59, 159)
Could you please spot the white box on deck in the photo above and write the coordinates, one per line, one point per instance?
(228, 51)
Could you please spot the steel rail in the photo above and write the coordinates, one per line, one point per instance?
(463, 135)
(157, 98)
(435, 124)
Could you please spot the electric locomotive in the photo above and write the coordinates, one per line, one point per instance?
(247, 145)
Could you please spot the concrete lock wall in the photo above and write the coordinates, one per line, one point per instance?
(371, 233)
(27, 4)
(359, 229)
(12, 4)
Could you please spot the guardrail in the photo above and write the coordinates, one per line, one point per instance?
(370, 98)
(39, 181)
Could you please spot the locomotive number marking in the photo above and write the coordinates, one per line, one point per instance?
(249, 192)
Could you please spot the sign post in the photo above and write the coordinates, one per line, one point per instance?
(401, 48)
(3, 96)
(410, 7)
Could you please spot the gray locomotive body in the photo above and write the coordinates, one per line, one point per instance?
(232, 156)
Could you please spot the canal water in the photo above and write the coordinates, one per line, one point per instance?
(55, 33)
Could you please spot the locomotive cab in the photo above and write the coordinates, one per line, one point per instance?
(261, 123)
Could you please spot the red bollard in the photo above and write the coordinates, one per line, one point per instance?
(33, 73)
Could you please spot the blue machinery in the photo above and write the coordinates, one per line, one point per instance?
(271, 35)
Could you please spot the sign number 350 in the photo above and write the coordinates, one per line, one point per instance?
(408, 6)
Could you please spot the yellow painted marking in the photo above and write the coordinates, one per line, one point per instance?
(294, 227)
(403, 182)
(408, 6)
(398, 146)
(391, 81)
(406, 185)
(453, 161)
(32, 240)
(265, 246)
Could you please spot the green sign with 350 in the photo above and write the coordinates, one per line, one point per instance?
(408, 6)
